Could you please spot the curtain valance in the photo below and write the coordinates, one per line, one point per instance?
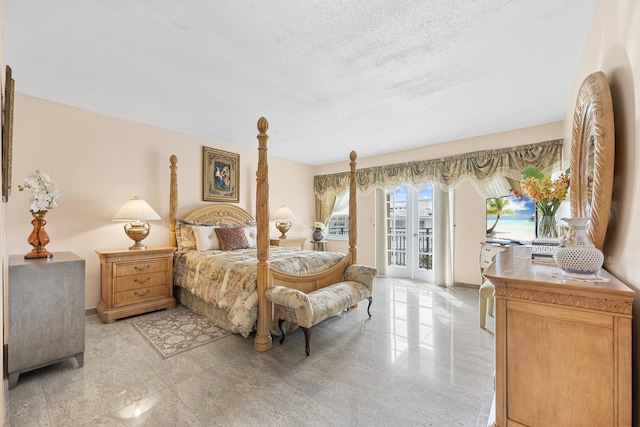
(447, 172)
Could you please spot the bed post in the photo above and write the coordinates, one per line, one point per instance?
(173, 200)
(262, 341)
(353, 220)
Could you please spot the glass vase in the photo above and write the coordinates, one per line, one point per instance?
(547, 226)
(38, 237)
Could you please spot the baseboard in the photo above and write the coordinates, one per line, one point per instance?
(466, 285)
(90, 311)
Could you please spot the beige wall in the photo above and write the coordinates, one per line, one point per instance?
(99, 162)
(469, 207)
(614, 48)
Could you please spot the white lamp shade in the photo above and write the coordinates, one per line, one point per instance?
(284, 213)
(136, 210)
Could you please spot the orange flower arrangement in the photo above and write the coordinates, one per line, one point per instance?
(547, 193)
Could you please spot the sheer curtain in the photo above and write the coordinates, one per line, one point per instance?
(443, 237)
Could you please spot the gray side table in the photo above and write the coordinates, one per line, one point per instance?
(46, 312)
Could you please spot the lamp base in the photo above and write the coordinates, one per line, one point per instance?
(137, 232)
(283, 227)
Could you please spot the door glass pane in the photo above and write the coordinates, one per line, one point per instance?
(397, 227)
(425, 227)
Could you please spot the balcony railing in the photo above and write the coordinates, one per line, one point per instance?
(397, 248)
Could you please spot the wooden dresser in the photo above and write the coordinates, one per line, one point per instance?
(563, 347)
(135, 281)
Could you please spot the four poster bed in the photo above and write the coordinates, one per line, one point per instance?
(228, 285)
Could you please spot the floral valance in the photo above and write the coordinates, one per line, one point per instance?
(447, 172)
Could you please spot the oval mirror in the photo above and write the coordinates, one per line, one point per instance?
(592, 156)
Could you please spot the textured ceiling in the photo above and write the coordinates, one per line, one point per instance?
(330, 76)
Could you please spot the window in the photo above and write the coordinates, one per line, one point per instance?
(338, 226)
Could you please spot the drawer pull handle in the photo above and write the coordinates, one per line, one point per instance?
(141, 294)
(141, 268)
(142, 280)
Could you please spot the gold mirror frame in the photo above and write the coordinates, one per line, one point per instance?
(592, 156)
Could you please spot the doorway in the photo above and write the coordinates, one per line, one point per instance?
(409, 232)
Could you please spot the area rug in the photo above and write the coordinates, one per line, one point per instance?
(176, 331)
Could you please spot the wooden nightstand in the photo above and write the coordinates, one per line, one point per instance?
(135, 281)
(290, 242)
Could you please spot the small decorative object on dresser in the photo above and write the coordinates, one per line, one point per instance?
(44, 193)
(577, 256)
(548, 194)
(134, 282)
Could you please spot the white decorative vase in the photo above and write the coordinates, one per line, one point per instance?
(577, 256)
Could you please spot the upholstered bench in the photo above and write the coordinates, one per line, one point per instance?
(309, 309)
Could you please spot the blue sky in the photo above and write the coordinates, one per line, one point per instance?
(523, 208)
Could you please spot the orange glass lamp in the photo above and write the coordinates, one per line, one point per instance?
(283, 219)
(136, 211)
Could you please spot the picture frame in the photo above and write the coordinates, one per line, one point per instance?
(7, 134)
(220, 175)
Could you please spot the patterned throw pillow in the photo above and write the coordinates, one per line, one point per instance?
(232, 238)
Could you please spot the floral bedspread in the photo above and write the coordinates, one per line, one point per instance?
(227, 280)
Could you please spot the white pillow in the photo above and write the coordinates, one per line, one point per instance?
(206, 238)
(251, 233)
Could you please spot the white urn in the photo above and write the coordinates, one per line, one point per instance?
(577, 256)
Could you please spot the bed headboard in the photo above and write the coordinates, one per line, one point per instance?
(231, 214)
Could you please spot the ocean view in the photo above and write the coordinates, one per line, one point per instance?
(513, 229)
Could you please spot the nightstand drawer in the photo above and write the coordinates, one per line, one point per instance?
(144, 266)
(140, 281)
(138, 295)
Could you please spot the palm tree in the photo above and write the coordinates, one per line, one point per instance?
(498, 207)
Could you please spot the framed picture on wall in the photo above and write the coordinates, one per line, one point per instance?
(7, 134)
(220, 176)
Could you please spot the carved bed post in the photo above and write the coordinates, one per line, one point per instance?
(173, 200)
(353, 221)
(262, 341)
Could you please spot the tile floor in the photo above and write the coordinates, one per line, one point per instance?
(421, 360)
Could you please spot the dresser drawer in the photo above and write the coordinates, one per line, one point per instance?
(486, 261)
(140, 281)
(139, 295)
(142, 266)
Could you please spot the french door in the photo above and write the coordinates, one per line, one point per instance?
(409, 232)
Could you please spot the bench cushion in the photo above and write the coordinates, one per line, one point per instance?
(309, 309)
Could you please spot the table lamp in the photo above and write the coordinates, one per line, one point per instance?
(283, 219)
(136, 211)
